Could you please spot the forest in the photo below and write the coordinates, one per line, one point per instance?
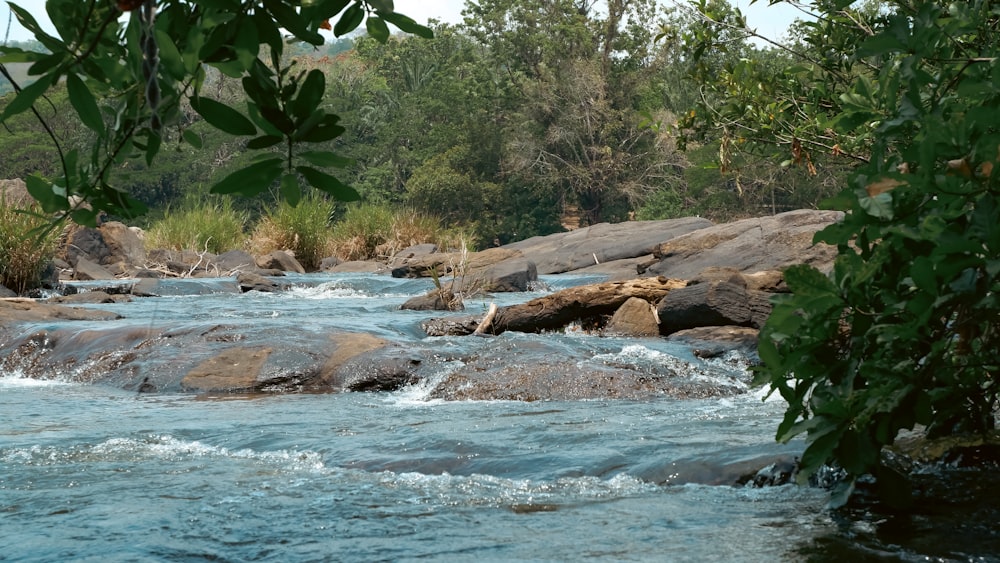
(527, 119)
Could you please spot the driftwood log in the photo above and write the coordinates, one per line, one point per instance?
(559, 309)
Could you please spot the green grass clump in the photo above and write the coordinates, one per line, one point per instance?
(28, 243)
(378, 232)
(304, 230)
(198, 225)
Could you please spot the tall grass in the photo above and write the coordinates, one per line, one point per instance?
(303, 229)
(377, 232)
(28, 243)
(196, 225)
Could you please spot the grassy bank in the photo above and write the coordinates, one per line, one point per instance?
(28, 242)
(311, 230)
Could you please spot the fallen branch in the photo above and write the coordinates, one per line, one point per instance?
(487, 321)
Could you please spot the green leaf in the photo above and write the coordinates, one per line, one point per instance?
(251, 180)
(152, 146)
(85, 217)
(28, 22)
(170, 57)
(329, 184)
(879, 44)
(310, 94)
(879, 206)
(51, 198)
(807, 280)
(264, 142)
(247, 46)
(326, 9)
(407, 24)
(26, 97)
(326, 159)
(326, 130)
(192, 138)
(382, 5)
(47, 63)
(292, 21)
(85, 105)
(15, 55)
(276, 117)
(223, 117)
(290, 190)
(377, 29)
(349, 20)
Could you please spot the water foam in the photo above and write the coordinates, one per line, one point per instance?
(17, 380)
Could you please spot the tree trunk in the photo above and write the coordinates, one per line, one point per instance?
(562, 308)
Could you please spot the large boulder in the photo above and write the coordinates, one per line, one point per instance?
(15, 193)
(280, 260)
(126, 249)
(493, 269)
(234, 261)
(417, 251)
(113, 245)
(363, 362)
(514, 274)
(87, 270)
(749, 245)
(87, 242)
(636, 317)
(715, 303)
(249, 281)
(605, 242)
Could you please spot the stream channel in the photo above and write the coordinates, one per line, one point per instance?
(98, 473)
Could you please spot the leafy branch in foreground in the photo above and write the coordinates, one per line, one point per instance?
(903, 333)
(129, 81)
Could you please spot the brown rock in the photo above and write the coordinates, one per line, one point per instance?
(89, 297)
(636, 317)
(750, 245)
(233, 370)
(20, 310)
(15, 193)
(605, 242)
(87, 270)
(124, 245)
(434, 300)
(362, 362)
(717, 303)
(711, 341)
(249, 281)
(280, 260)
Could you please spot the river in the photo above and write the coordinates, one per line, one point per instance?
(97, 473)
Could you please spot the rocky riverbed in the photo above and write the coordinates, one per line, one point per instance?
(705, 287)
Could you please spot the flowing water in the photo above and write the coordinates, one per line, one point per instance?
(96, 473)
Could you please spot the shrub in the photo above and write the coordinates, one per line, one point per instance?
(304, 230)
(368, 232)
(28, 243)
(198, 226)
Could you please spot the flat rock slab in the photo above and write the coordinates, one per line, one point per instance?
(232, 370)
(21, 310)
(605, 242)
(750, 245)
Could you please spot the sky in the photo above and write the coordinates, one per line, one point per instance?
(768, 20)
